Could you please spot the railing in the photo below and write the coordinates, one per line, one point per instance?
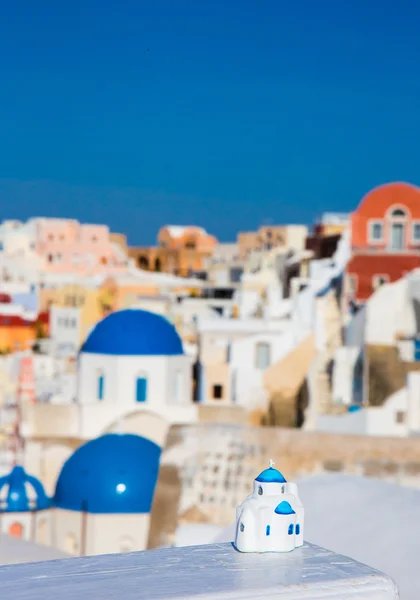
(199, 573)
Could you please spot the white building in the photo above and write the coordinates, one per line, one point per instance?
(65, 330)
(271, 519)
(375, 325)
(134, 359)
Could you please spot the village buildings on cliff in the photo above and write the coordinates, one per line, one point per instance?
(285, 327)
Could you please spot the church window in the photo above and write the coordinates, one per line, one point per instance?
(101, 386)
(290, 532)
(267, 530)
(297, 529)
(141, 389)
(242, 527)
(260, 491)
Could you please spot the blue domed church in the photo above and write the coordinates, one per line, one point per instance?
(134, 360)
(25, 507)
(102, 501)
(104, 494)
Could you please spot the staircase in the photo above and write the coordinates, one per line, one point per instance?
(329, 312)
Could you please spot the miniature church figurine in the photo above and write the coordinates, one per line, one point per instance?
(271, 518)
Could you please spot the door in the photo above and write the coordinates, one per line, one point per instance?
(397, 236)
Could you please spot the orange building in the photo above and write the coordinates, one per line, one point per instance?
(180, 251)
(17, 333)
(385, 238)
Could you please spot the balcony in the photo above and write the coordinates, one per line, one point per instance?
(199, 573)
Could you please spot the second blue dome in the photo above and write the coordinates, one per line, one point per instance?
(23, 492)
(115, 473)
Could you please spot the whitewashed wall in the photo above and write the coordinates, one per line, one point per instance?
(375, 421)
(382, 324)
(249, 380)
(342, 382)
(413, 391)
(169, 390)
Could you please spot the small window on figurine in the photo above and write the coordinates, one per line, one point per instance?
(241, 527)
(290, 532)
(297, 529)
(260, 491)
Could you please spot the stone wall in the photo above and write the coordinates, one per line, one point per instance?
(217, 463)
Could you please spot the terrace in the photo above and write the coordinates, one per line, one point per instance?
(199, 573)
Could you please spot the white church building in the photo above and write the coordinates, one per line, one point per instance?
(134, 358)
(132, 376)
(271, 519)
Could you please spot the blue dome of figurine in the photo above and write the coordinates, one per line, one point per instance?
(284, 508)
(270, 475)
(20, 492)
(115, 473)
(134, 332)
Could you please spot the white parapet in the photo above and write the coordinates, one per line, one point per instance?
(216, 572)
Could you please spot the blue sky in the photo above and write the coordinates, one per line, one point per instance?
(221, 113)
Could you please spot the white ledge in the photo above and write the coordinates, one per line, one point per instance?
(199, 572)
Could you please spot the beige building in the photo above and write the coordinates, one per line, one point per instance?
(272, 236)
(181, 250)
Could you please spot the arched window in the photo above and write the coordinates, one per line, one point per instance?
(262, 356)
(15, 530)
(290, 531)
(141, 388)
(143, 262)
(297, 529)
(241, 527)
(397, 228)
(260, 491)
(101, 385)
(267, 530)
(398, 212)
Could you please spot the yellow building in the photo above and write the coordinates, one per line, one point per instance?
(95, 300)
